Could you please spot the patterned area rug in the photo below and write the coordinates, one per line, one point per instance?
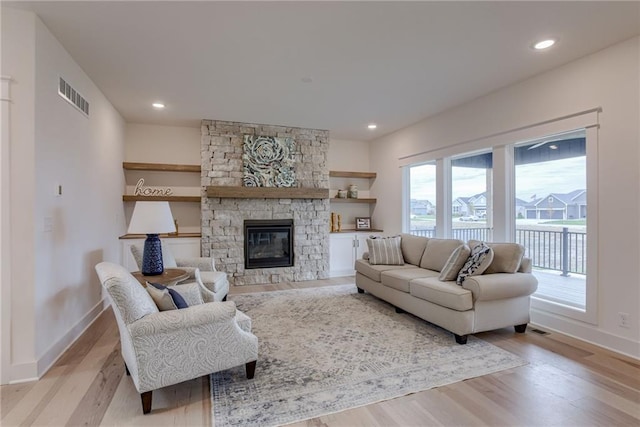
(324, 350)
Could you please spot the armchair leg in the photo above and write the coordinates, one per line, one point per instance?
(126, 369)
(146, 401)
(250, 367)
(225, 298)
(360, 291)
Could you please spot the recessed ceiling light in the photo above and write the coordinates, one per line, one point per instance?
(372, 126)
(544, 44)
(158, 105)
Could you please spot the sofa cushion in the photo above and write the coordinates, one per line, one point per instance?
(446, 294)
(373, 271)
(385, 250)
(479, 260)
(413, 248)
(454, 263)
(506, 257)
(438, 252)
(399, 279)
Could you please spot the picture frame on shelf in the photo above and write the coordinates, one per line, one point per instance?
(363, 223)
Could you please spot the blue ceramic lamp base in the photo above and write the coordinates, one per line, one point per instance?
(152, 256)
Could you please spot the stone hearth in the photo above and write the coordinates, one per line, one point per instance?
(223, 217)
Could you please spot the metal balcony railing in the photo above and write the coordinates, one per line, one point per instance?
(564, 251)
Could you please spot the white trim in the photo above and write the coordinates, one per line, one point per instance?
(5, 232)
(443, 198)
(580, 120)
(57, 349)
(585, 332)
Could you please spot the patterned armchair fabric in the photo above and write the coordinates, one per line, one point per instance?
(214, 284)
(169, 347)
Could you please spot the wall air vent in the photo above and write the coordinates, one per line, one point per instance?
(74, 98)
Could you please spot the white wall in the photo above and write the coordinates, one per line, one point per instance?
(58, 293)
(608, 79)
(162, 144)
(166, 144)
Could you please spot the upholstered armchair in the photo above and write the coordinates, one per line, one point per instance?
(161, 348)
(214, 284)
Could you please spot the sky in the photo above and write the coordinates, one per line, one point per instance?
(539, 179)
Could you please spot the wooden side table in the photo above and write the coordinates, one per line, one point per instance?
(169, 277)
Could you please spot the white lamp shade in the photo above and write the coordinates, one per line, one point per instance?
(151, 218)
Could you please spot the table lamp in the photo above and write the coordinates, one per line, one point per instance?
(151, 218)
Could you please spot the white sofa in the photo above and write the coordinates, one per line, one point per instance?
(483, 302)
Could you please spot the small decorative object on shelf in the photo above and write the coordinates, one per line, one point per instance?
(342, 194)
(339, 222)
(335, 222)
(353, 192)
(141, 190)
(363, 223)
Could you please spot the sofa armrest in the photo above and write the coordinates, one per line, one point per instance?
(202, 263)
(488, 287)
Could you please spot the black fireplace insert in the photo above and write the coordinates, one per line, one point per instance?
(268, 243)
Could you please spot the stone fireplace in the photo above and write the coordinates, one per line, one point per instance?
(224, 215)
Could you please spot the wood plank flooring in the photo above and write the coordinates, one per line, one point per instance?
(566, 383)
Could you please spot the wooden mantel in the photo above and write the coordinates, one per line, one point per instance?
(230, 192)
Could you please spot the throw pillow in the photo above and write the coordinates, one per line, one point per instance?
(165, 298)
(455, 263)
(479, 260)
(385, 250)
(506, 257)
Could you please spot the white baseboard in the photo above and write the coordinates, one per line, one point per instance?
(23, 372)
(585, 332)
(46, 361)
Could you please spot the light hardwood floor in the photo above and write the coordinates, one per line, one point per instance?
(566, 383)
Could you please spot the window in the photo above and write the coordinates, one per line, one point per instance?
(551, 214)
(471, 186)
(422, 200)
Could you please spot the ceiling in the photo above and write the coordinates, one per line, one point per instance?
(325, 65)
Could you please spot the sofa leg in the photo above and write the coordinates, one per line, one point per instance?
(250, 367)
(360, 291)
(225, 298)
(146, 401)
(399, 310)
(520, 328)
(126, 369)
(461, 339)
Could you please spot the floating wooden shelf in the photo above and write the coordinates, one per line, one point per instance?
(162, 236)
(230, 192)
(345, 200)
(342, 174)
(131, 198)
(353, 230)
(163, 167)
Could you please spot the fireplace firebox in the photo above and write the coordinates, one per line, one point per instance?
(268, 243)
